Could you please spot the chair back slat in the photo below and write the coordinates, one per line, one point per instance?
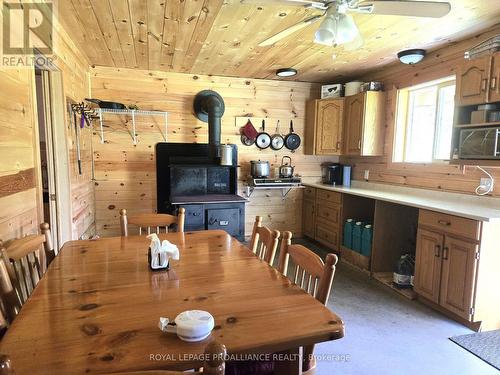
(11, 303)
(23, 262)
(151, 223)
(264, 242)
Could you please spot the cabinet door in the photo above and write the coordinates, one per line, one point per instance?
(354, 111)
(329, 126)
(308, 218)
(495, 79)
(458, 276)
(472, 81)
(428, 264)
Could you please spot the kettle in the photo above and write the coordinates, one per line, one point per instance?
(286, 169)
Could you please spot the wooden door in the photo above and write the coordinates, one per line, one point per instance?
(354, 116)
(428, 264)
(472, 81)
(329, 126)
(458, 276)
(495, 79)
(308, 218)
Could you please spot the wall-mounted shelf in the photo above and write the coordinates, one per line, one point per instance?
(285, 189)
(133, 113)
(479, 125)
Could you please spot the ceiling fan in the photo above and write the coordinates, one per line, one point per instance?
(338, 26)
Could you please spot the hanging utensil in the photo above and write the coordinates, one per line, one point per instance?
(277, 140)
(292, 140)
(77, 143)
(263, 140)
(249, 130)
(247, 141)
(106, 104)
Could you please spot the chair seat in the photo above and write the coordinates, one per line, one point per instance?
(250, 368)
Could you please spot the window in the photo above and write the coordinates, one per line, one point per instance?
(424, 122)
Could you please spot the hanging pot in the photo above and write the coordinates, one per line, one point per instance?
(292, 140)
(277, 140)
(263, 140)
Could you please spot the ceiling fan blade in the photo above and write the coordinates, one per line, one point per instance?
(302, 3)
(292, 29)
(431, 9)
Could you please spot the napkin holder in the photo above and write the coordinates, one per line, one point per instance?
(159, 253)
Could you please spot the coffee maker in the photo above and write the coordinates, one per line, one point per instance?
(332, 173)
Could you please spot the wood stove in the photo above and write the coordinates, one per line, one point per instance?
(189, 175)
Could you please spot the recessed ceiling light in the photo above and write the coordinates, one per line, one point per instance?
(286, 72)
(411, 56)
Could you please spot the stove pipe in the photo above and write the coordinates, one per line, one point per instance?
(209, 107)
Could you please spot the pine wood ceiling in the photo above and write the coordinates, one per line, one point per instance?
(221, 37)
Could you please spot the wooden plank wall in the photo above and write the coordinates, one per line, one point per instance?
(445, 177)
(20, 207)
(125, 173)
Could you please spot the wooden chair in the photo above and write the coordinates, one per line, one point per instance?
(11, 303)
(264, 242)
(26, 260)
(151, 221)
(311, 274)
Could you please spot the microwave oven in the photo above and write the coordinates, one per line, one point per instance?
(479, 143)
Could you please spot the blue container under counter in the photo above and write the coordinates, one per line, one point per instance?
(356, 236)
(347, 236)
(366, 240)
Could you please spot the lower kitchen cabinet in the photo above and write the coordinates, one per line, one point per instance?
(446, 265)
(321, 216)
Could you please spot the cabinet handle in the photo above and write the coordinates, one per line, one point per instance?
(444, 222)
(437, 251)
(359, 145)
(483, 84)
(445, 253)
(338, 145)
(493, 85)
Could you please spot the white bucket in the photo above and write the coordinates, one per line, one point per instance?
(352, 88)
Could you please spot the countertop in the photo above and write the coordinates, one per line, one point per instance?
(468, 206)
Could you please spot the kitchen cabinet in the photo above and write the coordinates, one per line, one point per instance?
(472, 81)
(446, 265)
(321, 214)
(494, 87)
(428, 264)
(324, 132)
(308, 212)
(364, 119)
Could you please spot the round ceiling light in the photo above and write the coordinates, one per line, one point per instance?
(411, 56)
(286, 72)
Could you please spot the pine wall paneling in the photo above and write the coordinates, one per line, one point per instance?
(20, 204)
(125, 173)
(445, 177)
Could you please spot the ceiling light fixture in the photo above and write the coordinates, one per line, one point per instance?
(337, 28)
(411, 56)
(286, 72)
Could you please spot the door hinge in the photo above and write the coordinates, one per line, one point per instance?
(471, 311)
(476, 255)
(52, 197)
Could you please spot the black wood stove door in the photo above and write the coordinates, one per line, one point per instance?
(227, 219)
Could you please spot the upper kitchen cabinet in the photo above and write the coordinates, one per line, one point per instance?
(478, 81)
(364, 124)
(324, 134)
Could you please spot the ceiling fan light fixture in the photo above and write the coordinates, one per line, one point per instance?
(411, 56)
(347, 30)
(286, 72)
(326, 31)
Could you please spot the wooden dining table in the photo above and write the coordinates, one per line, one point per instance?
(96, 310)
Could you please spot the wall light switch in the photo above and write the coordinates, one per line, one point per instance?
(367, 174)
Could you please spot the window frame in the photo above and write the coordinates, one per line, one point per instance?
(400, 135)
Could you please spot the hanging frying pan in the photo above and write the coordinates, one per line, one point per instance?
(263, 140)
(292, 140)
(277, 141)
(247, 141)
(106, 104)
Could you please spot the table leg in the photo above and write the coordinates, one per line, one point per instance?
(289, 362)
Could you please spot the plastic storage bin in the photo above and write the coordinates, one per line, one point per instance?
(366, 240)
(356, 236)
(347, 238)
